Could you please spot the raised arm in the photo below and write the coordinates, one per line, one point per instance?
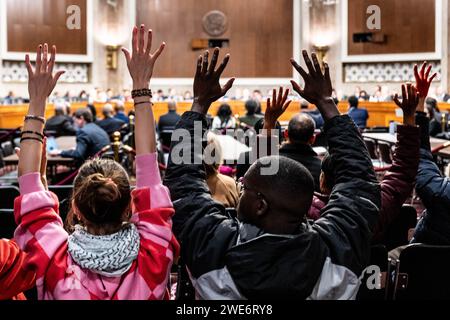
(354, 203)
(140, 65)
(432, 187)
(40, 231)
(41, 83)
(398, 182)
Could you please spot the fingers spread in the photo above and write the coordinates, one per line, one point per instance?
(127, 54)
(296, 87)
(142, 39)
(397, 102)
(135, 41)
(227, 86)
(149, 42)
(309, 64)
(39, 59)
(205, 63)
(223, 65)
(199, 66)
(300, 70)
(159, 51)
(45, 59)
(215, 57)
(28, 64)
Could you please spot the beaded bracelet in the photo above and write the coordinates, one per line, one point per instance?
(31, 138)
(32, 132)
(141, 93)
(30, 117)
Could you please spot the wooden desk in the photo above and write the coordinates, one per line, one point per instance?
(380, 113)
(64, 143)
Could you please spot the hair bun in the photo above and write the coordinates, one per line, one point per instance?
(103, 187)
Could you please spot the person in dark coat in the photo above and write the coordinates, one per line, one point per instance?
(168, 121)
(109, 123)
(90, 138)
(60, 123)
(300, 138)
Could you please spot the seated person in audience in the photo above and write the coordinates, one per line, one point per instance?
(91, 108)
(90, 138)
(300, 138)
(271, 252)
(360, 116)
(60, 123)
(435, 125)
(251, 118)
(441, 95)
(433, 188)
(122, 245)
(168, 121)
(109, 123)
(119, 110)
(223, 188)
(14, 277)
(224, 119)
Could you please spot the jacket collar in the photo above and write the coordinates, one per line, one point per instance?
(301, 148)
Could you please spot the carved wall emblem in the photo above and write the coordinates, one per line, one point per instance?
(215, 23)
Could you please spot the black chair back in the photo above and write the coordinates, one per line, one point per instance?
(423, 273)
(385, 152)
(371, 147)
(64, 194)
(378, 257)
(7, 224)
(7, 196)
(7, 148)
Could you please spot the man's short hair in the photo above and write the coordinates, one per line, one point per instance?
(251, 106)
(290, 189)
(353, 101)
(85, 114)
(301, 128)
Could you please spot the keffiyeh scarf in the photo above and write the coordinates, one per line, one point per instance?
(110, 255)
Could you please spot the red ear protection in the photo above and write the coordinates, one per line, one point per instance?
(286, 134)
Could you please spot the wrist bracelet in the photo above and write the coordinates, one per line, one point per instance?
(141, 93)
(31, 117)
(138, 103)
(32, 132)
(31, 138)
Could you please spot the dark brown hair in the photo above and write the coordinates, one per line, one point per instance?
(101, 194)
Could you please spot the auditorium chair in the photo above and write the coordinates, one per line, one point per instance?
(7, 148)
(64, 194)
(371, 147)
(378, 257)
(384, 150)
(7, 224)
(8, 195)
(422, 272)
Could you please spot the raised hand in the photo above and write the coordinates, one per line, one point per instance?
(141, 61)
(318, 88)
(207, 88)
(423, 81)
(410, 100)
(275, 108)
(41, 80)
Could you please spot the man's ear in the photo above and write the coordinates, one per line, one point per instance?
(312, 140)
(262, 207)
(286, 135)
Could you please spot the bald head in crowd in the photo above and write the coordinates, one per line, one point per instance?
(108, 110)
(301, 129)
(172, 105)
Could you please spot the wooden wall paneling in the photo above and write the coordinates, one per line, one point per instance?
(31, 22)
(260, 34)
(408, 24)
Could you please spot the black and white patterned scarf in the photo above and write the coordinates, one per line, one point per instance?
(110, 255)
